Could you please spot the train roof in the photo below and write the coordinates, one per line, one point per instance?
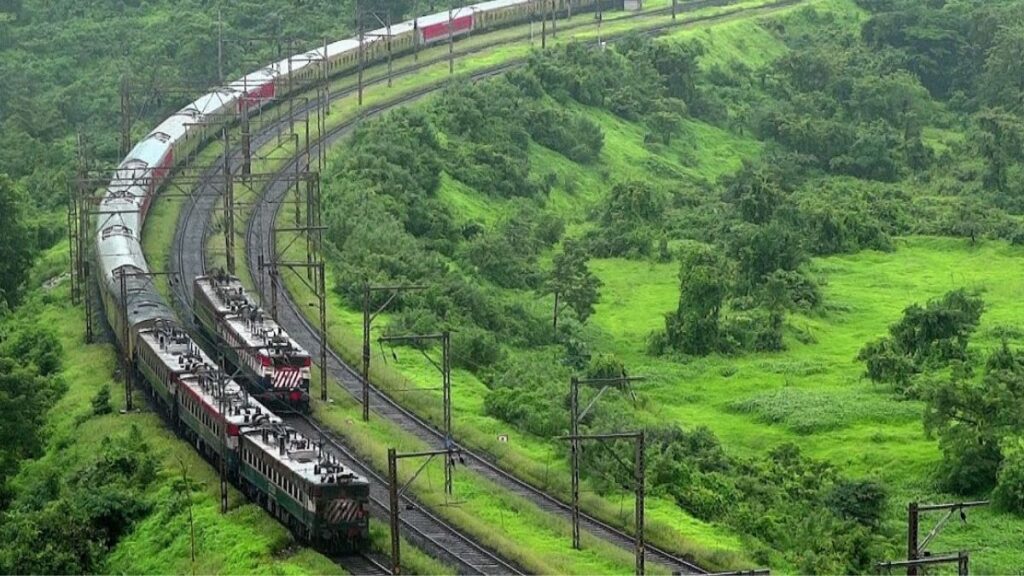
(497, 4)
(195, 370)
(251, 323)
(152, 149)
(302, 456)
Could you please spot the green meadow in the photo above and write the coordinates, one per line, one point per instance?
(813, 394)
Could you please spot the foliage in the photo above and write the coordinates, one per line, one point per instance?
(972, 419)
(821, 521)
(1009, 492)
(528, 397)
(29, 386)
(17, 248)
(925, 337)
(573, 281)
(101, 402)
(86, 512)
(693, 328)
(863, 501)
(627, 220)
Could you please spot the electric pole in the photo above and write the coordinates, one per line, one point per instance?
(639, 479)
(395, 492)
(917, 550)
(368, 317)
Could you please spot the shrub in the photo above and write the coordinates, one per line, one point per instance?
(1009, 492)
(860, 500)
(101, 402)
(475, 349)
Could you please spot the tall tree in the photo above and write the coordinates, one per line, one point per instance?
(17, 248)
(573, 281)
(693, 327)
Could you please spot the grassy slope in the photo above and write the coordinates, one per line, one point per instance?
(516, 527)
(813, 394)
(705, 152)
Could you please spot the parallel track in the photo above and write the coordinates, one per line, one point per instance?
(190, 242)
(419, 525)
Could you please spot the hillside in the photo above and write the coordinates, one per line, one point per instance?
(735, 212)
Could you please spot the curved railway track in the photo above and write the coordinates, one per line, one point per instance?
(189, 261)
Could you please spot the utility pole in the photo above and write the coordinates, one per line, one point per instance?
(544, 26)
(640, 472)
(554, 20)
(368, 317)
(388, 27)
(575, 416)
(229, 206)
(917, 551)
(416, 39)
(220, 47)
(396, 546)
(362, 49)
(395, 492)
(246, 141)
(639, 479)
(126, 117)
(451, 43)
(445, 367)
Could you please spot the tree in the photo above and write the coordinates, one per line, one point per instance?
(573, 281)
(999, 138)
(933, 335)
(1003, 79)
(17, 250)
(628, 219)
(971, 420)
(693, 328)
(664, 124)
(761, 250)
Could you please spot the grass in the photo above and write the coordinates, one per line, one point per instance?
(814, 393)
(702, 153)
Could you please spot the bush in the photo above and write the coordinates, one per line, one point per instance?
(475, 349)
(1009, 492)
(101, 402)
(860, 500)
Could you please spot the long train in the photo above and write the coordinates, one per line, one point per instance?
(321, 501)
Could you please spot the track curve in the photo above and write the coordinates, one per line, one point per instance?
(189, 247)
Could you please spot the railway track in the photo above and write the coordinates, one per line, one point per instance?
(362, 564)
(190, 241)
(419, 525)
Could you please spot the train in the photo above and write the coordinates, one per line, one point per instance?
(275, 366)
(320, 500)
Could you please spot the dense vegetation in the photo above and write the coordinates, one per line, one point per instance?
(848, 118)
(62, 64)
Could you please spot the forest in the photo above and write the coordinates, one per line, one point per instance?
(906, 121)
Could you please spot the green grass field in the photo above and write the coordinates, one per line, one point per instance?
(523, 532)
(812, 394)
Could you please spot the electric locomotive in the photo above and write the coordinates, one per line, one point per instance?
(273, 364)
